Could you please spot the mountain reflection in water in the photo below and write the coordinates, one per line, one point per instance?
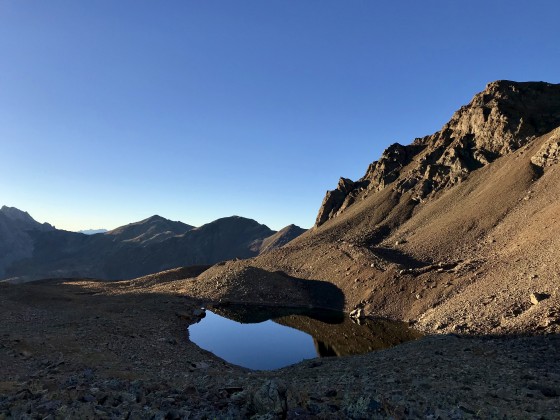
(333, 333)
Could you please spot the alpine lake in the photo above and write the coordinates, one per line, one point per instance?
(268, 338)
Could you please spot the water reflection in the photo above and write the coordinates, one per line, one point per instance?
(269, 338)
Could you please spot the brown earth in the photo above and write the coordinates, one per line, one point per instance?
(88, 349)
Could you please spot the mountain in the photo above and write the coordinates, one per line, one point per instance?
(34, 251)
(457, 231)
(153, 229)
(15, 240)
(281, 238)
(222, 239)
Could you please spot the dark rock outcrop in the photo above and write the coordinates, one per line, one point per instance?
(338, 199)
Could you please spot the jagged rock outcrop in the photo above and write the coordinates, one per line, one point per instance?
(549, 153)
(499, 120)
(338, 199)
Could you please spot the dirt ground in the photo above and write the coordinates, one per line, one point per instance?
(89, 349)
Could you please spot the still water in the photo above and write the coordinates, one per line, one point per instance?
(270, 338)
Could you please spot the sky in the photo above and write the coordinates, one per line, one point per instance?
(113, 111)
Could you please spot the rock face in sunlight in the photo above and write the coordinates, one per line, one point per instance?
(499, 120)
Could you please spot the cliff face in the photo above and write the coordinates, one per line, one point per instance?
(499, 120)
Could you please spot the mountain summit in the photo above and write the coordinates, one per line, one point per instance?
(499, 120)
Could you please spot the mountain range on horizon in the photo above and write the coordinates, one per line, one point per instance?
(92, 231)
(30, 250)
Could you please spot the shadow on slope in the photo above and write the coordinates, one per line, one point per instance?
(234, 282)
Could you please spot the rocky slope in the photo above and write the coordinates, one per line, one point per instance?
(498, 121)
(34, 251)
(121, 350)
(281, 238)
(457, 231)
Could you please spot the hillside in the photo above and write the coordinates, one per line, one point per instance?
(457, 231)
(15, 240)
(34, 251)
(281, 238)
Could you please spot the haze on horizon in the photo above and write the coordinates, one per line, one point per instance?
(111, 112)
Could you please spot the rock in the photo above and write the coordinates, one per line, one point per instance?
(363, 408)
(270, 398)
(335, 199)
(538, 297)
(549, 153)
(499, 120)
(183, 315)
(358, 313)
(199, 313)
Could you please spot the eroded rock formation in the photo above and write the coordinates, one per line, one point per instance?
(499, 120)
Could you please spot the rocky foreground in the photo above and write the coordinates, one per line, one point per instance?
(86, 349)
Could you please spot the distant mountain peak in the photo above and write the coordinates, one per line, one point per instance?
(23, 219)
(153, 218)
(154, 228)
(16, 214)
(281, 238)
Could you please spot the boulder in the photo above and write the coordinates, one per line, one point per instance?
(538, 297)
(270, 398)
(358, 313)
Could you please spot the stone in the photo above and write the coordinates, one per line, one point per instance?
(199, 313)
(358, 313)
(549, 153)
(538, 297)
(270, 398)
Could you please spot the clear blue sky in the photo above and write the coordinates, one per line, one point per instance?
(111, 111)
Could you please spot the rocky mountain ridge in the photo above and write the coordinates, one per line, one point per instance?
(31, 250)
(499, 120)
